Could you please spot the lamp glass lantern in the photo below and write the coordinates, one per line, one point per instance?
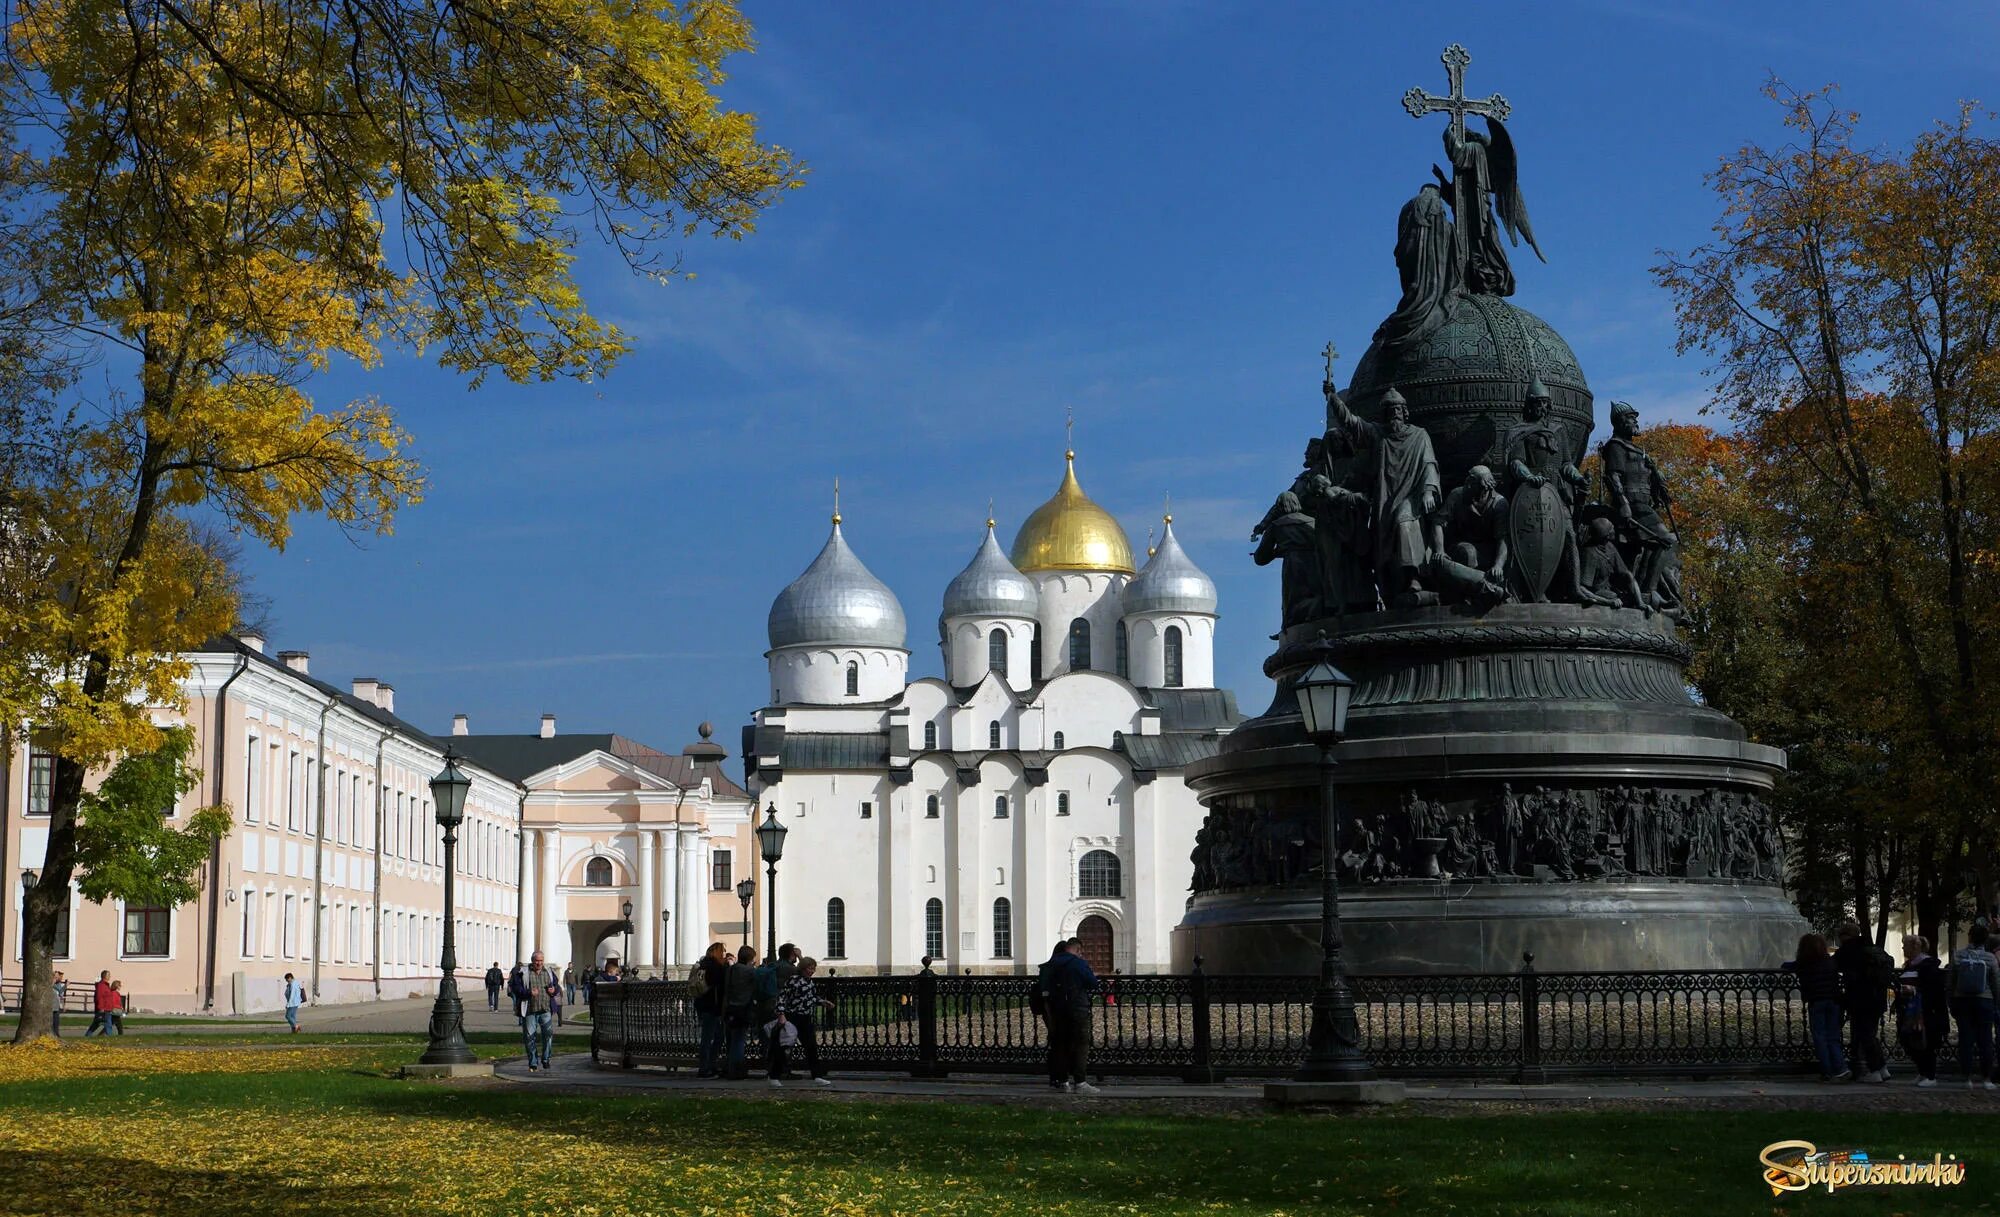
(448, 790)
(1324, 694)
(771, 837)
(628, 910)
(745, 890)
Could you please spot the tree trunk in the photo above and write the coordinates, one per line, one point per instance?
(43, 905)
(1857, 868)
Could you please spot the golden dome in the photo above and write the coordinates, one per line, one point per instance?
(1069, 532)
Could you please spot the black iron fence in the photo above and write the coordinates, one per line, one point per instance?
(1528, 1025)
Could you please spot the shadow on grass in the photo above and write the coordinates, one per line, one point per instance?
(80, 1182)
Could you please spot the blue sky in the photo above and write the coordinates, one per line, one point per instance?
(1152, 213)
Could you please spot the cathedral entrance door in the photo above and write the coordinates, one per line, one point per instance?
(1096, 935)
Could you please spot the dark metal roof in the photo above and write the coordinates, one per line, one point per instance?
(834, 750)
(511, 757)
(225, 645)
(1194, 709)
(1170, 750)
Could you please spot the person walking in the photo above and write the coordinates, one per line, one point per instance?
(1041, 1000)
(569, 984)
(495, 979)
(739, 1009)
(770, 1021)
(100, 1004)
(1923, 1013)
(801, 1004)
(61, 987)
(541, 988)
(295, 996)
(1975, 996)
(1867, 977)
(1073, 997)
(708, 978)
(1819, 988)
(114, 1015)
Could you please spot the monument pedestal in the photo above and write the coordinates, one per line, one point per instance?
(478, 1069)
(1527, 778)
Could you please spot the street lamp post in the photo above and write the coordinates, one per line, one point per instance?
(447, 1046)
(745, 889)
(625, 957)
(666, 919)
(771, 843)
(1334, 1052)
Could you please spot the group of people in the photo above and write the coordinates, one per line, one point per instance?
(734, 993)
(1858, 983)
(107, 1006)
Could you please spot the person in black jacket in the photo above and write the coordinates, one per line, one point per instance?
(1867, 975)
(495, 978)
(1923, 1006)
(714, 974)
(1041, 1000)
(1819, 986)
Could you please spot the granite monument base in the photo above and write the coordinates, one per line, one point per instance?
(1443, 927)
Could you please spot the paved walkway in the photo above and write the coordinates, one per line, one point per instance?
(405, 1016)
(577, 1070)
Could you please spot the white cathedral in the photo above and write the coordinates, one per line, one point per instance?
(1034, 793)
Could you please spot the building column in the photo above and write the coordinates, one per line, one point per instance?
(691, 918)
(527, 924)
(645, 913)
(1149, 928)
(670, 859)
(545, 923)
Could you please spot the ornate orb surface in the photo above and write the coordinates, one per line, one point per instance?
(1069, 532)
(1466, 379)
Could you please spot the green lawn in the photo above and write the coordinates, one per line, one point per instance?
(313, 1128)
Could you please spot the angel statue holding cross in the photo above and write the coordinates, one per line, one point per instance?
(1484, 188)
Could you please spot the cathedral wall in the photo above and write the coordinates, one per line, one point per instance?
(818, 675)
(1067, 595)
(1087, 707)
(1146, 643)
(967, 656)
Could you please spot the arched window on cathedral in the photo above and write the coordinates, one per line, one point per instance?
(597, 873)
(836, 928)
(1173, 657)
(1097, 876)
(996, 651)
(854, 680)
(930, 737)
(999, 806)
(931, 808)
(1062, 802)
(1035, 654)
(1079, 645)
(1003, 929)
(1123, 651)
(993, 734)
(1059, 742)
(934, 928)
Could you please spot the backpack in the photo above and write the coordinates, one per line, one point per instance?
(1879, 970)
(1968, 977)
(697, 982)
(1038, 992)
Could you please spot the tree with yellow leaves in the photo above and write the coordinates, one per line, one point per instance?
(227, 197)
(1850, 301)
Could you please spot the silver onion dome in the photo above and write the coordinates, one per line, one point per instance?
(837, 601)
(1170, 582)
(990, 586)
